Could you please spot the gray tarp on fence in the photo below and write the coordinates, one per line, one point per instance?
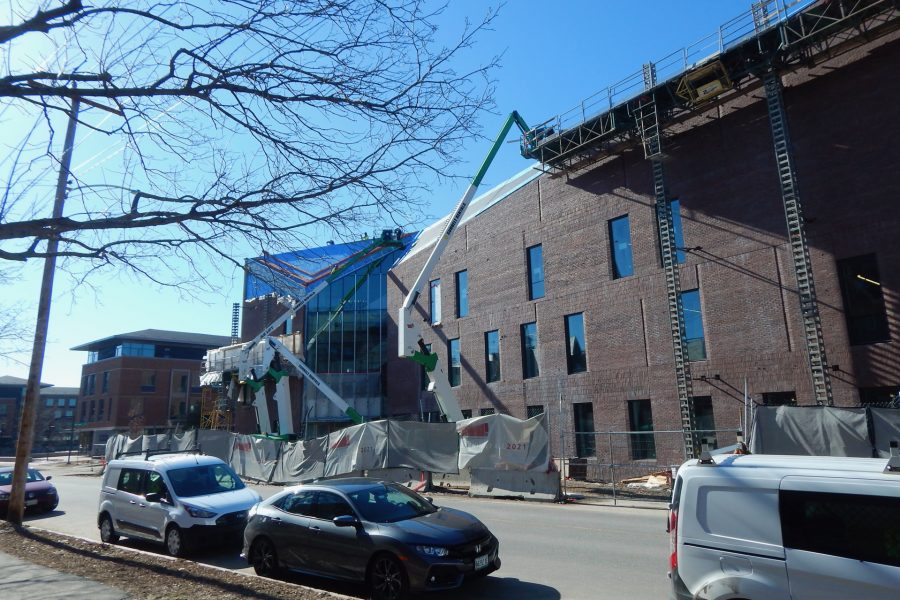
(811, 431)
(504, 442)
(375, 445)
(430, 447)
(301, 460)
(254, 457)
(886, 428)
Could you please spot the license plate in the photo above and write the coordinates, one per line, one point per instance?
(30, 502)
(481, 562)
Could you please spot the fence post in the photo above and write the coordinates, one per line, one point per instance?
(612, 467)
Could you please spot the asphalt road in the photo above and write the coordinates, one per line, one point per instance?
(549, 551)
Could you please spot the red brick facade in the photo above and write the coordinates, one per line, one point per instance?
(844, 121)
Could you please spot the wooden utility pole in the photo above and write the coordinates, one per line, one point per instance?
(32, 391)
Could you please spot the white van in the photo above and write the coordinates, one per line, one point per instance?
(177, 499)
(785, 527)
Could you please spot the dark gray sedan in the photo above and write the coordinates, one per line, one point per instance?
(368, 530)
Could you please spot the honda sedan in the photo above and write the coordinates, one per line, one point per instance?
(368, 530)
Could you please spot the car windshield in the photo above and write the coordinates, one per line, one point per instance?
(389, 504)
(202, 480)
(30, 475)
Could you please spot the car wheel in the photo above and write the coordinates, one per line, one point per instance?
(387, 579)
(107, 532)
(264, 558)
(176, 544)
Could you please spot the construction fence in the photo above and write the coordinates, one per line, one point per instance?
(491, 442)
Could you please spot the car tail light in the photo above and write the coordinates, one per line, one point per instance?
(673, 539)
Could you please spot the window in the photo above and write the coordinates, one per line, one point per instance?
(455, 362)
(130, 481)
(620, 247)
(779, 399)
(584, 429)
(70, 413)
(535, 272)
(487, 411)
(693, 325)
(533, 410)
(135, 349)
(529, 351)
(462, 294)
(863, 300)
(300, 503)
(640, 418)
(576, 351)
(60, 401)
(84, 407)
(424, 373)
(330, 505)
(73, 401)
(704, 422)
(466, 413)
(148, 381)
(434, 289)
(92, 383)
(183, 383)
(57, 414)
(675, 205)
(852, 526)
(48, 402)
(3, 410)
(883, 397)
(104, 386)
(101, 408)
(492, 356)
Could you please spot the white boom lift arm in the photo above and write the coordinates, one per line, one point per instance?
(410, 342)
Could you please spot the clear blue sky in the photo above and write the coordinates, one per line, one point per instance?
(554, 56)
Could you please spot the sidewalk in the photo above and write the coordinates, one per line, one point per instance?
(24, 580)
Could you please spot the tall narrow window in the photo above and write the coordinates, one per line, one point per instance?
(529, 351)
(576, 350)
(620, 247)
(492, 356)
(693, 325)
(104, 386)
(675, 205)
(462, 294)
(584, 429)
(863, 300)
(435, 297)
(535, 272)
(455, 362)
(640, 418)
(704, 422)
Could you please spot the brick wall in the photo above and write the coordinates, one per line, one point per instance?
(843, 119)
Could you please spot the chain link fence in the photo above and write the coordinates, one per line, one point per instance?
(631, 464)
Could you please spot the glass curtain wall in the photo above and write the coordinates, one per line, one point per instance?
(350, 352)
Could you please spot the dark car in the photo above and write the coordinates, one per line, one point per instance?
(39, 492)
(368, 530)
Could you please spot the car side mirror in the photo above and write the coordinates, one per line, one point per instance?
(48, 477)
(345, 521)
(430, 500)
(154, 497)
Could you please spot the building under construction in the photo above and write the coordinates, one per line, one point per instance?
(716, 231)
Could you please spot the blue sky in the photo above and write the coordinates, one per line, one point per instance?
(552, 59)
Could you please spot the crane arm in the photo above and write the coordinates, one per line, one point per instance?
(410, 343)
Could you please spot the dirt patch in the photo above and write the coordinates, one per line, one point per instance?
(143, 575)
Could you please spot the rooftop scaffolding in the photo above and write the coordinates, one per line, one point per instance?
(772, 34)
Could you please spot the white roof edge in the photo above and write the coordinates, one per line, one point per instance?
(429, 235)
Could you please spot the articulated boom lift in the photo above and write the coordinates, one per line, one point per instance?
(273, 349)
(410, 343)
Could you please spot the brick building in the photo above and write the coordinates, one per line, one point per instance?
(53, 415)
(142, 382)
(565, 291)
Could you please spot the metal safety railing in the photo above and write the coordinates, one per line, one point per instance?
(728, 35)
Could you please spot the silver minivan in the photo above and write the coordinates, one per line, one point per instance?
(177, 499)
(785, 527)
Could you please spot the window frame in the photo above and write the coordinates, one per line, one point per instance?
(619, 244)
(434, 301)
(462, 293)
(454, 362)
(581, 366)
(536, 286)
(492, 337)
